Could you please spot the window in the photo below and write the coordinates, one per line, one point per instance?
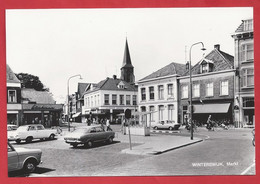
(121, 99)
(12, 96)
(161, 109)
(209, 89)
(247, 52)
(151, 92)
(170, 90)
(196, 90)
(204, 68)
(114, 99)
(143, 96)
(224, 87)
(184, 91)
(160, 92)
(106, 99)
(170, 112)
(128, 99)
(40, 128)
(248, 102)
(143, 117)
(151, 114)
(248, 25)
(134, 100)
(92, 101)
(247, 77)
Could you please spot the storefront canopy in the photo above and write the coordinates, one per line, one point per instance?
(76, 115)
(211, 108)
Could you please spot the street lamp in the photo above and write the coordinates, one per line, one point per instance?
(191, 108)
(68, 108)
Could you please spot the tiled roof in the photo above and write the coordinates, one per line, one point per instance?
(10, 76)
(82, 87)
(112, 84)
(171, 69)
(40, 97)
(221, 60)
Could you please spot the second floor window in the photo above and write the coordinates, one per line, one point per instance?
(151, 92)
(184, 91)
(196, 90)
(247, 77)
(209, 89)
(247, 52)
(224, 87)
(134, 100)
(128, 99)
(160, 92)
(143, 96)
(106, 99)
(121, 99)
(12, 96)
(114, 99)
(170, 90)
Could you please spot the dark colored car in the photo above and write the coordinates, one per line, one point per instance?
(89, 135)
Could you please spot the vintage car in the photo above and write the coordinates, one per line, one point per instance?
(89, 135)
(23, 159)
(170, 125)
(30, 132)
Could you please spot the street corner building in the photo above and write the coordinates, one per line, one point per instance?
(28, 106)
(112, 96)
(159, 94)
(212, 89)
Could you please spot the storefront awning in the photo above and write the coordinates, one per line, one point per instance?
(211, 108)
(76, 115)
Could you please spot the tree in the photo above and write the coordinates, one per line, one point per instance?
(31, 81)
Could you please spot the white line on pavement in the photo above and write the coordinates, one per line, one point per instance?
(245, 171)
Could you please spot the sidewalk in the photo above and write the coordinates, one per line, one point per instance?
(155, 144)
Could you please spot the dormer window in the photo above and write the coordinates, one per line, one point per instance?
(121, 85)
(206, 66)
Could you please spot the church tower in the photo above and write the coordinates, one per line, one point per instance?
(127, 70)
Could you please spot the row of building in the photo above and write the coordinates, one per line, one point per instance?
(222, 86)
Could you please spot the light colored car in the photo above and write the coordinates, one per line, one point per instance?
(30, 132)
(170, 125)
(11, 127)
(23, 159)
(89, 135)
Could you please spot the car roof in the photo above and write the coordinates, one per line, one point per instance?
(32, 125)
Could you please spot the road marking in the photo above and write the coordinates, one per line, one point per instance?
(245, 171)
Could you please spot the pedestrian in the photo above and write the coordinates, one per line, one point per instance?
(102, 124)
(89, 121)
(108, 125)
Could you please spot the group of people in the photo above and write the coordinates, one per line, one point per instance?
(106, 121)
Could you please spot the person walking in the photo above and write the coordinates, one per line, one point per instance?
(108, 125)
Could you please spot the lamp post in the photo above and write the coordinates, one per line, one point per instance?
(68, 108)
(191, 107)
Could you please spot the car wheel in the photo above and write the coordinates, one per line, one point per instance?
(110, 140)
(155, 127)
(89, 144)
(28, 139)
(29, 166)
(18, 141)
(170, 128)
(52, 136)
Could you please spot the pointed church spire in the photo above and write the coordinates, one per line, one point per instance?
(127, 59)
(127, 70)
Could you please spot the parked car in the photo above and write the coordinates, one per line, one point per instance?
(30, 132)
(11, 127)
(170, 125)
(23, 159)
(89, 135)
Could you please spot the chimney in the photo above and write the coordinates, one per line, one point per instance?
(217, 46)
(114, 76)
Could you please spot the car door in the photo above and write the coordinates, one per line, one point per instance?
(101, 134)
(161, 124)
(32, 131)
(40, 131)
(12, 158)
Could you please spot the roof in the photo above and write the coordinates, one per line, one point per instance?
(112, 84)
(82, 87)
(42, 106)
(171, 69)
(241, 26)
(40, 97)
(10, 76)
(127, 59)
(221, 60)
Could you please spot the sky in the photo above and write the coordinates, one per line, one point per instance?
(55, 44)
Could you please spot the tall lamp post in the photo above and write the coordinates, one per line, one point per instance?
(68, 108)
(191, 107)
